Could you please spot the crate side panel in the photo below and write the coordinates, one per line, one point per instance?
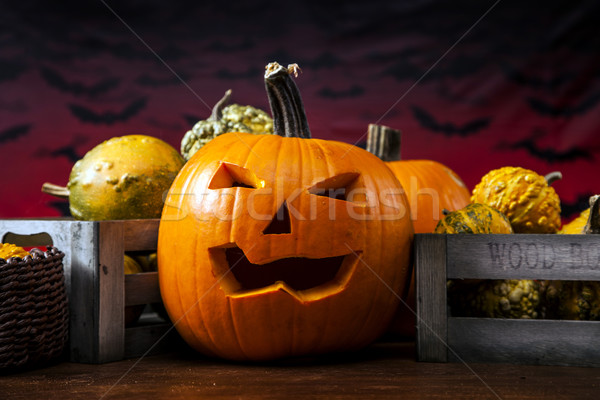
(83, 299)
(522, 341)
(140, 234)
(142, 288)
(524, 256)
(111, 291)
(430, 279)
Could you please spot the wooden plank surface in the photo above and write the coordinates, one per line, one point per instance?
(111, 291)
(430, 278)
(140, 234)
(150, 339)
(524, 256)
(523, 341)
(382, 371)
(142, 288)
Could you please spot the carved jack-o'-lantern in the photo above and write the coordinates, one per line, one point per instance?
(273, 246)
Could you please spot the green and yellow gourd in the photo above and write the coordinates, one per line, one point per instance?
(526, 198)
(474, 218)
(576, 300)
(121, 178)
(487, 298)
(223, 119)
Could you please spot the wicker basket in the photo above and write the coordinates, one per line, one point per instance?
(34, 321)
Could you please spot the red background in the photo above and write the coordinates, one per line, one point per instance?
(474, 85)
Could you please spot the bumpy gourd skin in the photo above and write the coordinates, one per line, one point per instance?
(573, 300)
(474, 218)
(491, 298)
(510, 298)
(204, 131)
(8, 250)
(123, 178)
(234, 118)
(523, 196)
(256, 119)
(576, 226)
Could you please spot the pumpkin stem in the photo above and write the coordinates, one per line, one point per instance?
(593, 222)
(384, 142)
(553, 177)
(287, 109)
(55, 190)
(217, 111)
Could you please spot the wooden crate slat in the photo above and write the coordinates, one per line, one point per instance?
(94, 277)
(524, 256)
(516, 256)
(111, 291)
(430, 278)
(140, 234)
(142, 288)
(523, 341)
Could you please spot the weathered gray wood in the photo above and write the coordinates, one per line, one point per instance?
(148, 339)
(142, 288)
(522, 341)
(33, 232)
(94, 276)
(524, 256)
(82, 257)
(430, 278)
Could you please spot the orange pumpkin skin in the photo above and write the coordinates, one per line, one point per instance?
(217, 312)
(431, 187)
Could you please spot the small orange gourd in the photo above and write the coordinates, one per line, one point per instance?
(431, 187)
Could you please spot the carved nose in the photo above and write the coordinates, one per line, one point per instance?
(280, 224)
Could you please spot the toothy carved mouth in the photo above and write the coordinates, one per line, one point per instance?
(299, 276)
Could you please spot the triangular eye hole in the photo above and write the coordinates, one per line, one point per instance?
(280, 224)
(231, 175)
(336, 187)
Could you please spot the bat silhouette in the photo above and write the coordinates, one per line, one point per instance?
(10, 70)
(324, 60)
(548, 154)
(84, 114)
(14, 132)
(536, 82)
(251, 72)
(403, 71)
(353, 91)
(57, 81)
(223, 47)
(544, 108)
(447, 128)
(62, 206)
(192, 119)
(69, 151)
(569, 209)
(149, 81)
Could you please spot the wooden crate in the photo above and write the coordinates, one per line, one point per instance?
(443, 338)
(97, 287)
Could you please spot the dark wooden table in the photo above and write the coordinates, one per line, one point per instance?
(384, 370)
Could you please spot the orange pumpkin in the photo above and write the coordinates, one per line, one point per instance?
(281, 245)
(431, 188)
